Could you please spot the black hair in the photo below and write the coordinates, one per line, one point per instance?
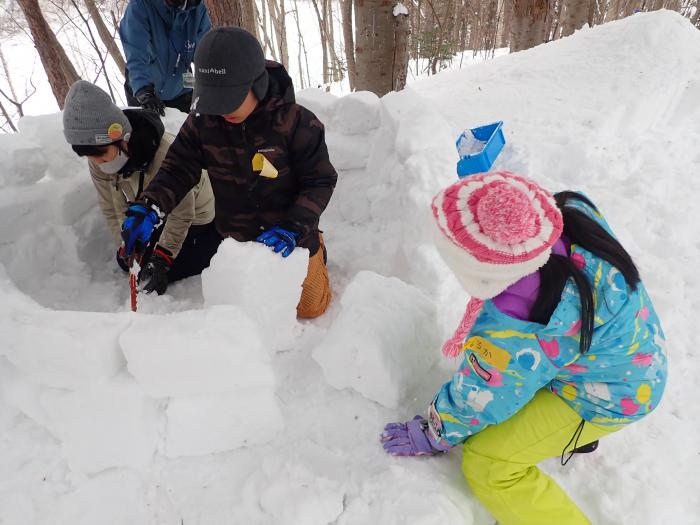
(585, 232)
(91, 150)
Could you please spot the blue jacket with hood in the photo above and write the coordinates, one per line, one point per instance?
(159, 42)
(506, 361)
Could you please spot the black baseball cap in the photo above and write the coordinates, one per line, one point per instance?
(227, 62)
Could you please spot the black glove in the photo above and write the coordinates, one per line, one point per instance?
(149, 100)
(122, 259)
(154, 276)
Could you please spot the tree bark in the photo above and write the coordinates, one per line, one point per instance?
(239, 13)
(58, 67)
(575, 16)
(528, 29)
(400, 66)
(277, 15)
(375, 43)
(507, 23)
(349, 40)
(696, 17)
(105, 35)
(324, 44)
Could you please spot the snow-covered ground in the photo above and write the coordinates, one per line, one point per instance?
(205, 408)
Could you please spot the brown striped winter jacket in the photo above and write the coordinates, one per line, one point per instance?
(288, 135)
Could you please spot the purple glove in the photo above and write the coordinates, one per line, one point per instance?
(412, 438)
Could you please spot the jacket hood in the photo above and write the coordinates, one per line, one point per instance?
(280, 90)
(146, 133)
(169, 13)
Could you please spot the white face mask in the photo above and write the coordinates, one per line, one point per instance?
(114, 165)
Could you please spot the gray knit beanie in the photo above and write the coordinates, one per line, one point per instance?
(90, 118)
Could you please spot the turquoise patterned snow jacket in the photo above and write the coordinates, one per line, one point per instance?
(506, 361)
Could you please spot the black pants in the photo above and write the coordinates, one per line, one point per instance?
(183, 102)
(199, 247)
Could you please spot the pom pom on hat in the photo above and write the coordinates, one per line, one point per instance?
(495, 228)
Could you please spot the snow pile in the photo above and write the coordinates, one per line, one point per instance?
(189, 412)
(383, 340)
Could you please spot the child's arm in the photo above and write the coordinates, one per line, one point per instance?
(317, 176)
(180, 171)
(500, 373)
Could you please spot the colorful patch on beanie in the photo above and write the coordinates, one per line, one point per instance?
(115, 131)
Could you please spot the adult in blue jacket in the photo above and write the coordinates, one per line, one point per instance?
(159, 39)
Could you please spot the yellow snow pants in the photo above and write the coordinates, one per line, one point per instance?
(500, 463)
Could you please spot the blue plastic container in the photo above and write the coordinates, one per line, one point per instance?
(475, 160)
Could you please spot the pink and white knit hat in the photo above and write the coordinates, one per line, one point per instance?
(492, 230)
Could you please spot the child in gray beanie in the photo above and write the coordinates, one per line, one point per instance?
(125, 149)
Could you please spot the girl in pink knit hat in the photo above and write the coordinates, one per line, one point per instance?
(559, 345)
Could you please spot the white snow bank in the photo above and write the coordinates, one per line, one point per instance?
(265, 285)
(112, 424)
(212, 351)
(215, 423)
(382, 342)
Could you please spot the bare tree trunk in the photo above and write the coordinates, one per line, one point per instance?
(374, 46)
(349, 40)
(105, 35)
(696, 17)
(400, 66)
(507, 23)
(265, 34)
(575, 16)
(613, 11)
(301, 47)
(277, 15)
(239, 13)
(225, 12)
(58, 67)
(324, 44)
(629, 7)
(338, 71)
(529, 24)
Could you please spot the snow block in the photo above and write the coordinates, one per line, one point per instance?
(116, 497)
(319, 102)
(23, 161)
(64, 349)
(20, 393)
(348, 152)
(383, 340)
(357, 113)
(214, 350)
(214, 423)
(112, 424)
(264, 284)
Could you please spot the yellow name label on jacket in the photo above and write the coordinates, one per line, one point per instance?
(489, 352)
(264, 166)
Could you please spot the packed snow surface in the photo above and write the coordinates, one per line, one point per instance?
(214, 405)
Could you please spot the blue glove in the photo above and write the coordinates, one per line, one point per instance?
(139, 225)
(280, 239)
